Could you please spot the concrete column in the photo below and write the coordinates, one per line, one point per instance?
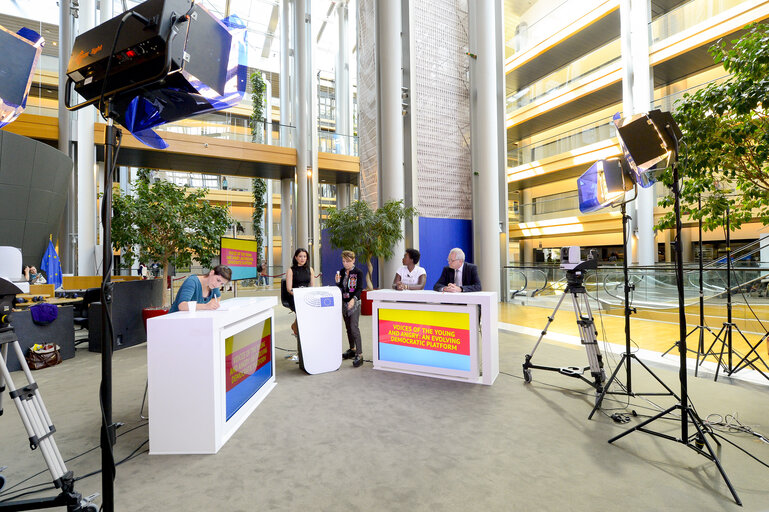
(391, 120)
(303, 120)
(286, 237)
(285, 74)
(342, 195)
(87, 216)
(68, 234)
(268, 112)
(637, 91)
(342, 84)
(268, 228)
(483, 93)
(688, 235)
(764, 248)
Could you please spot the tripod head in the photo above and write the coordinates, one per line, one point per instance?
(575, 277)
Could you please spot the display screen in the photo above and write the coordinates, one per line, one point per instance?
(439, 339)
(248, 356)
(241, 256)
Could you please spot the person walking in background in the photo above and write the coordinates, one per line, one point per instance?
(350, 280)
(410, 276)
(263, 274)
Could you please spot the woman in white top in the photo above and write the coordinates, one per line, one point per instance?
(410, 276)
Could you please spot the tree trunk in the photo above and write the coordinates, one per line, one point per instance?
(166, 270)
(369, 284)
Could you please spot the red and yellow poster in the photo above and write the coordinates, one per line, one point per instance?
(429, 338)
(247, 364)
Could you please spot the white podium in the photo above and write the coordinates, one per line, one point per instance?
(207, 372)
(436, 334)
(319, 317)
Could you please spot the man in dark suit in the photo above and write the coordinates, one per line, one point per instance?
(458, 276)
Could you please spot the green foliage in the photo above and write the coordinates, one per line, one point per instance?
(725, 150)
(169, 224)
(260, 188)
(368, 233)
(257, 100)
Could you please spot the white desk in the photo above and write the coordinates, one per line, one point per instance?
(436, 334)
(208, 371)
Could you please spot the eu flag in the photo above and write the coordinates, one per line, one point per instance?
(51, 265)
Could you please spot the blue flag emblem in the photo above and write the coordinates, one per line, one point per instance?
(327, 302)
(52, 266)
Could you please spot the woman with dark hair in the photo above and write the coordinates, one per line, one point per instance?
(410, 276)
(300, 275)
(202, 289)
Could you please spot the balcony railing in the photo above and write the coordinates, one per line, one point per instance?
(565, 77)
(688, 15)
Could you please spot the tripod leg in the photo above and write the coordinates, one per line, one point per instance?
(644, 423)
(607, 385)
(695, 419)
(588, 337)
(527, 362)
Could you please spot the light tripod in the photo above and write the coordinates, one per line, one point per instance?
(588, 334)
(701, 327)
(667, 131)
(627, 356)
(725, 335)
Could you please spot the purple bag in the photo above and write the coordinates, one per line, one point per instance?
(44, 314)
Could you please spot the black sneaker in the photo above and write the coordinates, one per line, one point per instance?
(357, 362)
(349, 354)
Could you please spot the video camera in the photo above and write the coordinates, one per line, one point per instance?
(8, 292)
(571, 259)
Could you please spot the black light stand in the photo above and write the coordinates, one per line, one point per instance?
(698, 440)
(725, 335)
(701, 327)
(628, 356)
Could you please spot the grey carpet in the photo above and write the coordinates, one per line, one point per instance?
(360, 439)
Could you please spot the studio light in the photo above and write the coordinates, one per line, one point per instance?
(604, 183)
(21, 51)
(170, 60)
(648, 142)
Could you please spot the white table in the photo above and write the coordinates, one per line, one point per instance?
(208, 371)
(436, 334)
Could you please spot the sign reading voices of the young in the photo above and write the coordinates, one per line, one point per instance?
(428, 338)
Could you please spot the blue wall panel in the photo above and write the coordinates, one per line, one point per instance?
(331, 261)
(436, 238)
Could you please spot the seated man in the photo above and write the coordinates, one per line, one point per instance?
(458, 276)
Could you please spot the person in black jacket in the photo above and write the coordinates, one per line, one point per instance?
(350, 280)
(466, 281)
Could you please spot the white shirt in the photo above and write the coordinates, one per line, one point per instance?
(411, 277)
(458, 276)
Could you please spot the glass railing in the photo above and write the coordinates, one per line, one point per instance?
(688, 15)
(564, 77)
(654, 293)
(564, 142)
(337, 143)
(527, 35)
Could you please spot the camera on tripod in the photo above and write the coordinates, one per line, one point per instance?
(572, 258)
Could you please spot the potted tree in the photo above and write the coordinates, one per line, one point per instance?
(369, 233)
(167, 223)
(724, 163)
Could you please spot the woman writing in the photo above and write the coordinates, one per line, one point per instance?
(300, 275)
(410, 276)
(202, 289)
